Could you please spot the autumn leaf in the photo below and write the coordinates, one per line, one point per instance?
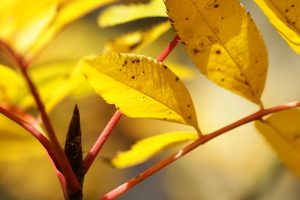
(55, 82)
(27, 26)
(282, 131)
(23, 21)
(284, 15)
(224, 43)
(137, 39)
(140, 87)
(149, 147)
(68, 12)
(10, 85)
(111, 16)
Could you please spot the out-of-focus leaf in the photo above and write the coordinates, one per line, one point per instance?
(224, 43)
(284, 15)
(68, 11)
(136, 40)
(15, 143)
(120, 14)
(21, 21)
(140, 87)
(282, 131)
(55, 82)
(10, 85)
(182, 71)
(149, 147)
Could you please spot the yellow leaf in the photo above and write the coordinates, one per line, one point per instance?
(224, 43)
(140, 87)
(284, 15)
(17, 144)
(54, 82)
(120, 14)
(136, 40)
(149, 147)
(10, 85)
(182, 71)
(68, 12)
(21, 21)
(282, 131)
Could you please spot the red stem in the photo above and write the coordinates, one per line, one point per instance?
(163, 163)
(168, 49)
(91, 156)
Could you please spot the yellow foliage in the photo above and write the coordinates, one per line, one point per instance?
(136, 40)
(224, 43)
(149, 147)
(120, 14)
(284, 15)
(10, 85)
(140, 87)
(281, 130)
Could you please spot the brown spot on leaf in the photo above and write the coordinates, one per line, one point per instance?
(133, 77)
(286, 10)
(216, 6)
(195, 51)
(186, 18)
(176, 79)
(218, 51)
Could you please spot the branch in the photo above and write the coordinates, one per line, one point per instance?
(61, 157)
(163, 163)
(91, 156)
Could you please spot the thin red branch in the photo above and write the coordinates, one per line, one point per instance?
(163, 163)
(168, 49)
(61, 157)
(91, 156)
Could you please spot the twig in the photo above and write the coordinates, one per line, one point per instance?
(157, 167)
(89, 159)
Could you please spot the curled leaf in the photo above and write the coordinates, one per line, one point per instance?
(224, 43)
(140, 87)
(282, 131)
(149, 147)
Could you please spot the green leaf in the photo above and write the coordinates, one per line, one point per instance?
(282, 131)
(224, 43)
(136, 40)
(120, 14)
(284, 15)
(149, 147)
(140, 87)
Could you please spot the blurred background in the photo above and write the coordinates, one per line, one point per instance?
(238, 165)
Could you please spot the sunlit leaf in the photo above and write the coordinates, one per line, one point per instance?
(21, 21)
(10, 85)
(282, 131)
(120, 14)
(149, 147)
(140, 87)
(68, 12)
(284, 15)
(184, 72)
(224, 43)
(136, 40)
